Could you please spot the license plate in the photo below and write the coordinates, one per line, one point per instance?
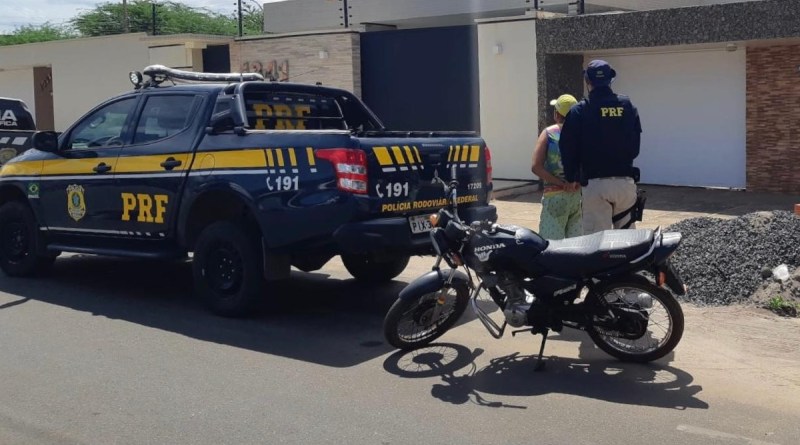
(420, 224)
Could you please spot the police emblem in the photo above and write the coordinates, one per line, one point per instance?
(76, 204)
(6, 154)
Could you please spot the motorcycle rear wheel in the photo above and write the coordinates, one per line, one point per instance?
(664, 327)
(408, 324)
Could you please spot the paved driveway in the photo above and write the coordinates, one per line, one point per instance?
(113, 351)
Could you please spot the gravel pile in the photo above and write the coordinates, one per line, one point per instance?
(725, 261)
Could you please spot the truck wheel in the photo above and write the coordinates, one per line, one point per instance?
(21, 242)
(369, 270)
(227, 269)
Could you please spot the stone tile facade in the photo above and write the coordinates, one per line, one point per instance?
(773, 118)
(332, 58)
(558, 74)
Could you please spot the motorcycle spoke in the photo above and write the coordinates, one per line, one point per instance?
(659, 323)
(414, 325)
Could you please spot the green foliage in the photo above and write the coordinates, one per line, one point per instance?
(33, 33)
(171, 18)
(780, 306)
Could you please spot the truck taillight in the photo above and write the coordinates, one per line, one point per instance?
(350, 167)
(488, 156)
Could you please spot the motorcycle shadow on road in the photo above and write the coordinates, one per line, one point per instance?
(314, 317)
(590, 375)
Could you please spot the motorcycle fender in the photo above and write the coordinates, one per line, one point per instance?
(430, 282)
(672, 279)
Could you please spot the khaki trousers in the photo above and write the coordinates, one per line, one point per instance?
(602, 199)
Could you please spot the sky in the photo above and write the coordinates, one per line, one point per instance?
(15, 13)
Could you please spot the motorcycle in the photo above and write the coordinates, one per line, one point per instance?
(595, 283)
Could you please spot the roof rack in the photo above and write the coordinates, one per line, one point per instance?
(160, 73)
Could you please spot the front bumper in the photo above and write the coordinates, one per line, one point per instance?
(393, 235)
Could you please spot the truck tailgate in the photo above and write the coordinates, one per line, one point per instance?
(402, 171)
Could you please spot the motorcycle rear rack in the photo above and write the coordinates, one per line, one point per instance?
(488, 323)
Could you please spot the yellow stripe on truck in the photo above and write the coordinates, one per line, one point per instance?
(409, 154)
(75, 166)
(310, 153)
(475, 153)
(384, 158)
(238, 158)
(25, 168)
(398, 155)
(270, 159)
(150, 163)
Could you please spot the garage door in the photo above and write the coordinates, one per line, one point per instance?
(692, 107)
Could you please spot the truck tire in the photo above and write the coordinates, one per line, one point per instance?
(228, 269)
(21, 242)
(366, 269)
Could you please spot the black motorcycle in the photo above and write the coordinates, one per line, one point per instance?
(597, 283)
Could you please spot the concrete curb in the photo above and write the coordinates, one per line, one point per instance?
(514, 191)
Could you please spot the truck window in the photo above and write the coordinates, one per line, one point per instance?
(292, 111)
(164, 116)
(102, 128)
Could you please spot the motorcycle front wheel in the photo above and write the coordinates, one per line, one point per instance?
(412, 323)
(645, 323)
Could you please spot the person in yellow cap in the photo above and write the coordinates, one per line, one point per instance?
(561, 200)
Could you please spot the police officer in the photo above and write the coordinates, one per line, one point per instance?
(599, 141)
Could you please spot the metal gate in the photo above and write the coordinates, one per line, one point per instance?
(422, 79)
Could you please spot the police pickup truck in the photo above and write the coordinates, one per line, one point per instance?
(250, 177)
(16, 128)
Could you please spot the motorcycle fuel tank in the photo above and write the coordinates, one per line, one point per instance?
(504, 247)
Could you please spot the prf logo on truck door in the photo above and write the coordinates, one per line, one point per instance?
(150, 208)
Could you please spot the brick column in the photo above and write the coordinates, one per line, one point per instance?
(773, 118)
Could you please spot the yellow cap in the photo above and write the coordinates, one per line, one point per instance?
(564, 103)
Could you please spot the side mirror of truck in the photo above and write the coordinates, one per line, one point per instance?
(45, 141)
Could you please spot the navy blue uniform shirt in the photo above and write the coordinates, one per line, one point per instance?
(600, 137)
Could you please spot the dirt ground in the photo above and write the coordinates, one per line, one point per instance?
(788, 291)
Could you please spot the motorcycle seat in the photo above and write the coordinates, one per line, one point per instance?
(588, 255)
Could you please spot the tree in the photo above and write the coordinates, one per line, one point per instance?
(252, 17)
(36, 33)
(170, 18)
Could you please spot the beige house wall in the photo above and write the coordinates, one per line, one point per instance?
(90, 70)
(332, 58)
(508, 94)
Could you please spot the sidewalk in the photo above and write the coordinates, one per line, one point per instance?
(518, 202)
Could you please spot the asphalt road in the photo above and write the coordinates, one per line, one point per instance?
(113, 351)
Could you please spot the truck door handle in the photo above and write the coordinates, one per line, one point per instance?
(102, 168)
(171, 163)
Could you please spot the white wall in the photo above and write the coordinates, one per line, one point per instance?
(88, 71)
(508, 94)
(18, 84)
(85, 71)
(692, 107)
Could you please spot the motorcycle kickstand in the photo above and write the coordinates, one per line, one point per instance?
(539, 363)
